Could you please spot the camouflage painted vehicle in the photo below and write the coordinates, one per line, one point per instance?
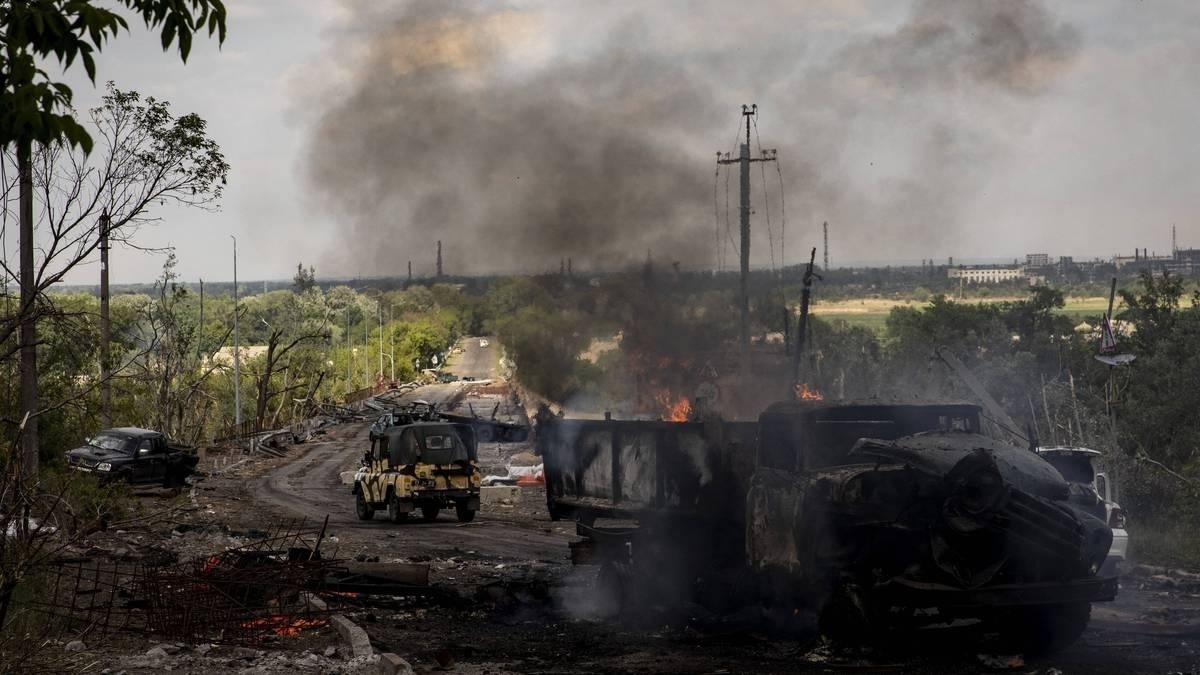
(426, 466)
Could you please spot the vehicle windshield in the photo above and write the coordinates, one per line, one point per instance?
(111, 442)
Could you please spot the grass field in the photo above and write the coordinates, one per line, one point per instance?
(872, 313)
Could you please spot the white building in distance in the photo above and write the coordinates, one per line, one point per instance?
(985, 275)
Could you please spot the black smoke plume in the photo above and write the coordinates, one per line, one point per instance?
(497, 132)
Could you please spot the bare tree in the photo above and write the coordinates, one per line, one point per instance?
(175, 362)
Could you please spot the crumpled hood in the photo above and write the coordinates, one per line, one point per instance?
(938, 452)
(89, 455)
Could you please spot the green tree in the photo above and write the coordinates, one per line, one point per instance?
(36, 111)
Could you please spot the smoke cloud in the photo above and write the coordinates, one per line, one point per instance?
(541, 131)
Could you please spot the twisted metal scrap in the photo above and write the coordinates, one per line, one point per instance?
(242, 594)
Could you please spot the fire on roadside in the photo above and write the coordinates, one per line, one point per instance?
(807, 393)
(674, 410)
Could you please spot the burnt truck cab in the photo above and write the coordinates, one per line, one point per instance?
(423, 465)
(132, 455)
(883, 514)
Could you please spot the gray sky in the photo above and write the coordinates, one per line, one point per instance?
(358, 131)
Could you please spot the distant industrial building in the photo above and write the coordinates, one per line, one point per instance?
(985, 275)
(1037, 259)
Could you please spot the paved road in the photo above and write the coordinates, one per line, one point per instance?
(475, 361)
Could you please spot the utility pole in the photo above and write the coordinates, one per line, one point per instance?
(802, 325)
(379, 309)
(105, 327)
(366, 350)
(200, 328)
(392, 339)
(237, 348)
(826, 266)
(409, 274)
(349, 355)
(743, 160)
(439, 259)
(28, 336)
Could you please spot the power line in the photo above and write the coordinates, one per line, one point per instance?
(783, 217)
(766, 197)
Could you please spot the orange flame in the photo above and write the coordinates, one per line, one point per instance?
(285, 626)
(806, 393)
(674, 411)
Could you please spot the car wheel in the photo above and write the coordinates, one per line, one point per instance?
(464, 513)
(429, 512)
(362, 509)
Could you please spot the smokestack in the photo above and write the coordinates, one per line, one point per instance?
(410, 271)
(439, 259)
(951, 261)
(1174, 245)
(826, 226)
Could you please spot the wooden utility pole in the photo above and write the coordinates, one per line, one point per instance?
(105, 327)
(743, 160)
(28, 316)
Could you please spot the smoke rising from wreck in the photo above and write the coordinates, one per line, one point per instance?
(523, 136)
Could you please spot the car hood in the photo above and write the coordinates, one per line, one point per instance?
(90, 454)
(939, 452)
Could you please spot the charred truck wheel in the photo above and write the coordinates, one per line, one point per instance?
(362, 509)
(1043, 629)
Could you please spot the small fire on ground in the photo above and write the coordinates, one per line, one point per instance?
(806, 393)
(285, 626)
(673, 410)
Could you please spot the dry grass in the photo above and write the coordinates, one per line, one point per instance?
(872, 313)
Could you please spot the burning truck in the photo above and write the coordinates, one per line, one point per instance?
(863, 517)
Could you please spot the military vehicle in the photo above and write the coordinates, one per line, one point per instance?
(864, 517)
(421, 465)
(423, 459)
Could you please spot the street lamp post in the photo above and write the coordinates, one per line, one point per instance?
(237, 360)
(392, 339)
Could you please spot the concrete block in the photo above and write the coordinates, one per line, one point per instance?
(495, 494)
(355, 637)
(391, 664)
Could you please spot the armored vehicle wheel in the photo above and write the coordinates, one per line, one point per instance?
(465, 514)
(362, 509)
(394, 513)
(429, 512)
